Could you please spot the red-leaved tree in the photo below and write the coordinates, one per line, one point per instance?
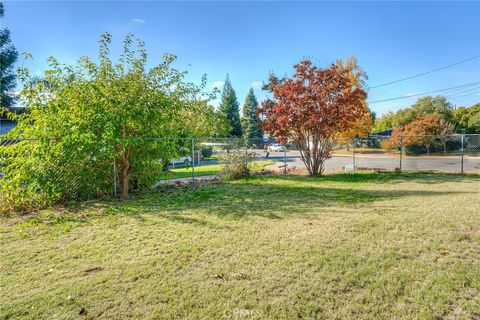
(313, 106)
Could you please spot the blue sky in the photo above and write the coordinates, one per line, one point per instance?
(391, 40)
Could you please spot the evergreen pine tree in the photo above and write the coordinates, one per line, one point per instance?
(250, 119)
(8, 56)
(230, 107)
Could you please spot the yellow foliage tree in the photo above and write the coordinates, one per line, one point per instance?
(359, 129)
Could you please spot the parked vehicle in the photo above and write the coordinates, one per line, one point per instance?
(277, 147)
(183, 160)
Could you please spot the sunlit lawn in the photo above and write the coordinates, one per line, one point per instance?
(366, 246)
(207, 170)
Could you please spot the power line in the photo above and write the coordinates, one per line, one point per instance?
(454, 98)
(463, 91)
(458, 100)
(424, 93)
(426, 72)
(468, 94)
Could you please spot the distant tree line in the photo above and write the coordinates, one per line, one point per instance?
(467, 118)
(428, 122)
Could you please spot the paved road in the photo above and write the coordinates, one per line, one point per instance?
(434, 163)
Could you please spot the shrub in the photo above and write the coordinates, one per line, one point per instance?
(235, 165)
(207, 153)
(388, 145)
(86, 123)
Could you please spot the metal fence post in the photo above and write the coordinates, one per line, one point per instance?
(401, 152)
(193, 162)
(463, 148)
(354, 164)
(246, 153)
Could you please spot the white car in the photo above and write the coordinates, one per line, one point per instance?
(183, 160)
(277, 147)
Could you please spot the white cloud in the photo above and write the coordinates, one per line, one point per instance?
(138, 20)
(257, 84)
(217, 84)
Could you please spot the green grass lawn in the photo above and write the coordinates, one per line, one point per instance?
(207, 170)
(365, 246)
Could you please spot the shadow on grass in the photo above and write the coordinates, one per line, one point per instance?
(273, 197)
(278, 196)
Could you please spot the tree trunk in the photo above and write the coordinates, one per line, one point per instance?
(428, 149)
(124, 160)
(445, 147)
(125, 178)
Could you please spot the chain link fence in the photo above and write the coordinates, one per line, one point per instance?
(52, 174)
(454, 153)
(38, 173)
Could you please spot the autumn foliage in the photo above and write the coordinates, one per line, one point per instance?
(359, 129)
(423, 131)
(313, 106)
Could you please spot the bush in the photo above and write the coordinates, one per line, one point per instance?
(387, 145)
(413, 150)
(235, 165)
(207, 153)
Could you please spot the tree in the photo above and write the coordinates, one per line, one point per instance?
(250, 119)
(433, 105)
(467, 118)
(359, 129)
(230, 107)
(422, 107)
(394, 141)
(8, 57)
(201, 120)
(396, 119)
(445, 130)
(422, 131)
(474, 123)
(313, 106)
(94, 117)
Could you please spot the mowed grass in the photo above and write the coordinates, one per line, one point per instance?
(208, 170)
(365, 246)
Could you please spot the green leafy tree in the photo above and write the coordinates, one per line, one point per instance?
(201, 120)
(250, 119)
(433, 105)
(467, 118)
(8, 57)
(92, 119)
(474, 123)
(230, 107)
(438, 106)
